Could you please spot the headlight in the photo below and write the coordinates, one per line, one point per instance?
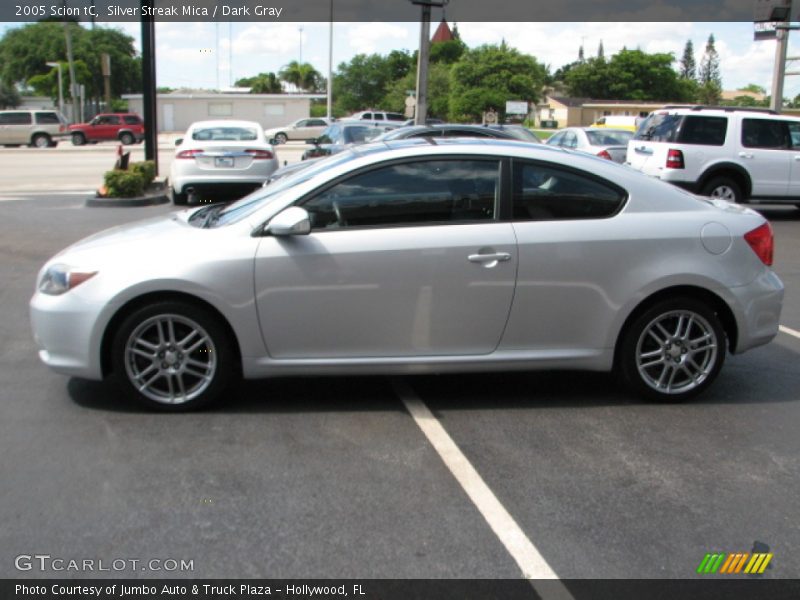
(59, 279)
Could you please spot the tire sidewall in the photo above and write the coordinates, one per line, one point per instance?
(35, 142)
(78, 139)
(127, 139)
(627, 368)
(227, 366)
(716, 182)
(281, 138)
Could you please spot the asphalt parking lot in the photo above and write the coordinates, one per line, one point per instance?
(338, 477)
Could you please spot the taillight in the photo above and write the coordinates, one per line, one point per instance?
(674, 159)
(260, 154)
(604, 154)
(762, 242)
(189, 153)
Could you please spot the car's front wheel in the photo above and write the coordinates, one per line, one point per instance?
(723, 188)
(41, 140)
(173, 356)
(672, 351)
(78, 139)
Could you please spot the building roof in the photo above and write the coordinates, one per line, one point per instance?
(442, 33)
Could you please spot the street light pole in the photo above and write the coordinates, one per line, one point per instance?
(330, 66)
(423, 57)
(60, 86)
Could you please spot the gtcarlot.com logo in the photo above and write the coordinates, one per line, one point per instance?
(46, 562)
(735, 563)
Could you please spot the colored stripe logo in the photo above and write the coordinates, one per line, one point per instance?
(734, 563)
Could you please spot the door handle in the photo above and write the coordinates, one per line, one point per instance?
(485, 258)
(745, 155)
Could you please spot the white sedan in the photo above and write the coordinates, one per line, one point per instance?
(302, 129)
(225, 156)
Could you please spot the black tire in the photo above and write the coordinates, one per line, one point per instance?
(126, 138)
(179, 199)
(78, 139)
(185, 366)
(664, 359)
(41, 140)
(281, 138)
(724, 188)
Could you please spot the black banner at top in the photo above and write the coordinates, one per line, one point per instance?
(375, 10)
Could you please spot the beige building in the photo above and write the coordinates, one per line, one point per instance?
(177, 110)
(582, 112)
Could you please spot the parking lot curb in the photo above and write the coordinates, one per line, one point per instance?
(157, 196)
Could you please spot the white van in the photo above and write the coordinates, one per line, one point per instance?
(618, 122)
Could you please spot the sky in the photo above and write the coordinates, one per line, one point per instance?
(212, 55)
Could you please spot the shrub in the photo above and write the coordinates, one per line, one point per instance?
(124, 184)
(147, 169)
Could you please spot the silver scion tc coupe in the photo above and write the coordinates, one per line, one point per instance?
(418, 256)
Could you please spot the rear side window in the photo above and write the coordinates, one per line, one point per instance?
(706, 131)
(15, 118)
(543, 192)
(131, 120)
(47, 118)
(765, 133)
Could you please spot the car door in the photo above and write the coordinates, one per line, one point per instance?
(766, 151)
(300, 131)
(404, 259)
(314, 128)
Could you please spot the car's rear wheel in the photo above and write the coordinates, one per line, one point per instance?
(179, 199)
(281, 138)
(41, 140)
(127, 138)
(723, 188)
(672, 351)
(173, 356)
(78, 139)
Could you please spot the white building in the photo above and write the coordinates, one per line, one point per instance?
(177, 110)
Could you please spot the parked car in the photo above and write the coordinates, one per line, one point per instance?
(38, 128)
(302, 129)
(448, 130)
(342, 134)
(127, 128)
(220, 157)
(736, 154)
(611, 144)
(520, 132)
(378, 116)
(411, 257)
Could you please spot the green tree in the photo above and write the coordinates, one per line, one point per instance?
(438, 91)
(24, 52)
(304, 76)
(263, 83)
(447, 52)
(688, 69)
(710, 80)
(46, 84)
(754, 88)
(628, 75)
(362, 83)
(488, 76)
(9, 96)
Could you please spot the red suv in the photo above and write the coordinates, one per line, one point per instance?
(128, 128)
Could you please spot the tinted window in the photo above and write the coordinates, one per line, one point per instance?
(226, 134)
(466, 133)
(543, 193)
(658, 127)
(395, 117)
(131, 119)
(609, 138)
(415, 193)
(570, 140)
(765, 133)
(794, 133)
(706, 131)
(316, 123)
(15, 118)
(556, 139)
(378, 117)
(47, 118)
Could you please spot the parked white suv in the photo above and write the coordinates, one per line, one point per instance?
(731, 153)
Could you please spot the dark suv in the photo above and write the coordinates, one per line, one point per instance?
(128, 128)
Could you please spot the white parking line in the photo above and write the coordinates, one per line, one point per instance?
(788, 331)
(529, 559)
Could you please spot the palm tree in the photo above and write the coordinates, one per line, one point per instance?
(303, 76)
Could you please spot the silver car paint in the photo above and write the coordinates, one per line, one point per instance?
(652, 244)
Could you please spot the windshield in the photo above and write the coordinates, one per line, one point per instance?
(225, 134)
(240, 209)
(658, 127)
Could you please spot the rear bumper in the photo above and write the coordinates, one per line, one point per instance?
(758, 311)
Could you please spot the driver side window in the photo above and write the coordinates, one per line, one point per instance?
(412, 193)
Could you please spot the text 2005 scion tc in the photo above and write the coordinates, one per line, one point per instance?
(418, 256)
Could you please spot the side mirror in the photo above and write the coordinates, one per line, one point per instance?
(292, 221)
(179, 141)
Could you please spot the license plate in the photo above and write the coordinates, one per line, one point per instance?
(223, 161)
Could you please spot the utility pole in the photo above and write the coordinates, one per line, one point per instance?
(779, 69)
(60, 86)
(73, 84)
(149, 87)
(423, 57)
(105, 68)
(330, 66)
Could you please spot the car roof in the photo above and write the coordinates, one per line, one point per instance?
(224, 123)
